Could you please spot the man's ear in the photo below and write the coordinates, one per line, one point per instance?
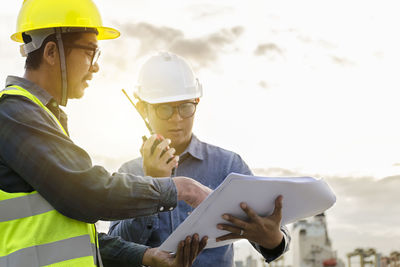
(50, 54)
(142, 108)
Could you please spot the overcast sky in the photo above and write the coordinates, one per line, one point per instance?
(310, 87)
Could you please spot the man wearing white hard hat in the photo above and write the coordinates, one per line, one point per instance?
(50, 193)
(168, 94)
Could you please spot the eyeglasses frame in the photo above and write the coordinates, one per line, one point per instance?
(96, 52)
(177, 107)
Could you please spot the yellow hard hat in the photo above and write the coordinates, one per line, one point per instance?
(42, 14)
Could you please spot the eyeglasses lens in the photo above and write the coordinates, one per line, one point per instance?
(185, 110)
(96, 55)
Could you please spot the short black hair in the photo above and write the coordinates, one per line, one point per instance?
(34, 58)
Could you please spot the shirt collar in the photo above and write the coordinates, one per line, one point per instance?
(32, 88)
(195, 148)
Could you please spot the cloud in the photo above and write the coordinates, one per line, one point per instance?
(391, 179)
(205, 50)
(267, 48)
(206, 11)
(307, 39)
(151, 37)
(201, 51)
(263, 84)
(341, 61)
(325, 45)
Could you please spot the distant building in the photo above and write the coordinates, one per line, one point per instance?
(250, 262)
(311, 244)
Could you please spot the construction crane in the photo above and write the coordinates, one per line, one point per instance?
(395, 259)
(365, 256)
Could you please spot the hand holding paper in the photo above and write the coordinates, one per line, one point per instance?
(264, 231)
(187, 252)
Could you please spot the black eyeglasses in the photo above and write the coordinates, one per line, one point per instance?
(95, 52)
(165, 111)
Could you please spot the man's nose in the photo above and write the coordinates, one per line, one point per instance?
(175, 115)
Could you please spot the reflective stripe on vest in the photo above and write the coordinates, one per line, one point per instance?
(33, 233)
(21, 207)
(60, 251)
(22, 92)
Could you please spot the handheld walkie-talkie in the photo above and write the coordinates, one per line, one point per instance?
(144, 138)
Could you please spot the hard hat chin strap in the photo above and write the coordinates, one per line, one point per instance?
(63, 66)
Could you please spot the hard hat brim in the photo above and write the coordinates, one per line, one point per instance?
(105, 33)
(169, 99)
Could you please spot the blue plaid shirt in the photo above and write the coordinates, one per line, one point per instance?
(209, 165)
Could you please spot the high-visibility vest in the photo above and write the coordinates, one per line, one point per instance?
(33, 233)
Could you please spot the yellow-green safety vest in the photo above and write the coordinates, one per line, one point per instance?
(33, 233)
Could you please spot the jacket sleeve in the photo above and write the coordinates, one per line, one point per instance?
(272, 254)
(34, 150)
(116, 252)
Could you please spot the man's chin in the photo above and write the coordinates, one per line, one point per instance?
(77, 94)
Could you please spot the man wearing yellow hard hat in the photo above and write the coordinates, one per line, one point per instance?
(50, 193)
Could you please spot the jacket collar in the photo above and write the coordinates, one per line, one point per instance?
(195, 149)
(32, 88)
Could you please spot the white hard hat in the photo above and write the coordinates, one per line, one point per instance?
(167, 77)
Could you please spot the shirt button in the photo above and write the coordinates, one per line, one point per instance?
(161, 208)
(171, 208)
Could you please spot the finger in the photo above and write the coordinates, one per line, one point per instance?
(169, 153)
(229, 228)
(236, 221)
(173, 163)
(203, 243)
(144, 139)
(186, 251)
(277, 213)
(250, 212)
(194, 248)
(148, 144)
(160, 148)
(179, 253)
(228, 236)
